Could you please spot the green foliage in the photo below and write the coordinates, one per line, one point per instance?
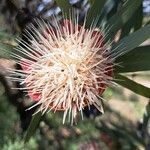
(5, 47)
(19, 145)
(8, 118)
(134, 23)
(136, 60)
(122, 17)
(130, 42)
(10, 138)
(133, 86)
(33, 126)
(95, 11)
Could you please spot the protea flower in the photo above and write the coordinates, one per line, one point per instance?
(65, 67)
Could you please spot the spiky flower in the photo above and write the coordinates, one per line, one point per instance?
(66, 67)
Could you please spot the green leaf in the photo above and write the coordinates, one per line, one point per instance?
(121, 17)
(33, 126)
(132, 41)
(65, 6)
(94, 11)
(132, 85)
(136, 60)
(108, 10)
(112, 6)
(138, 18)
(135, 22)
(5, 50)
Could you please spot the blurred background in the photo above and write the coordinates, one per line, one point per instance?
(120, 128)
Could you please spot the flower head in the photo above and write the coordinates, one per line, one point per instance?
(66, 67)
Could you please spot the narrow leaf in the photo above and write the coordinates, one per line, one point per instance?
(132, 41)
(136, 60)
(135, 22)
(33, 126)
(132, 85)
(94, 11)
(138, 18)
(122, 16)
